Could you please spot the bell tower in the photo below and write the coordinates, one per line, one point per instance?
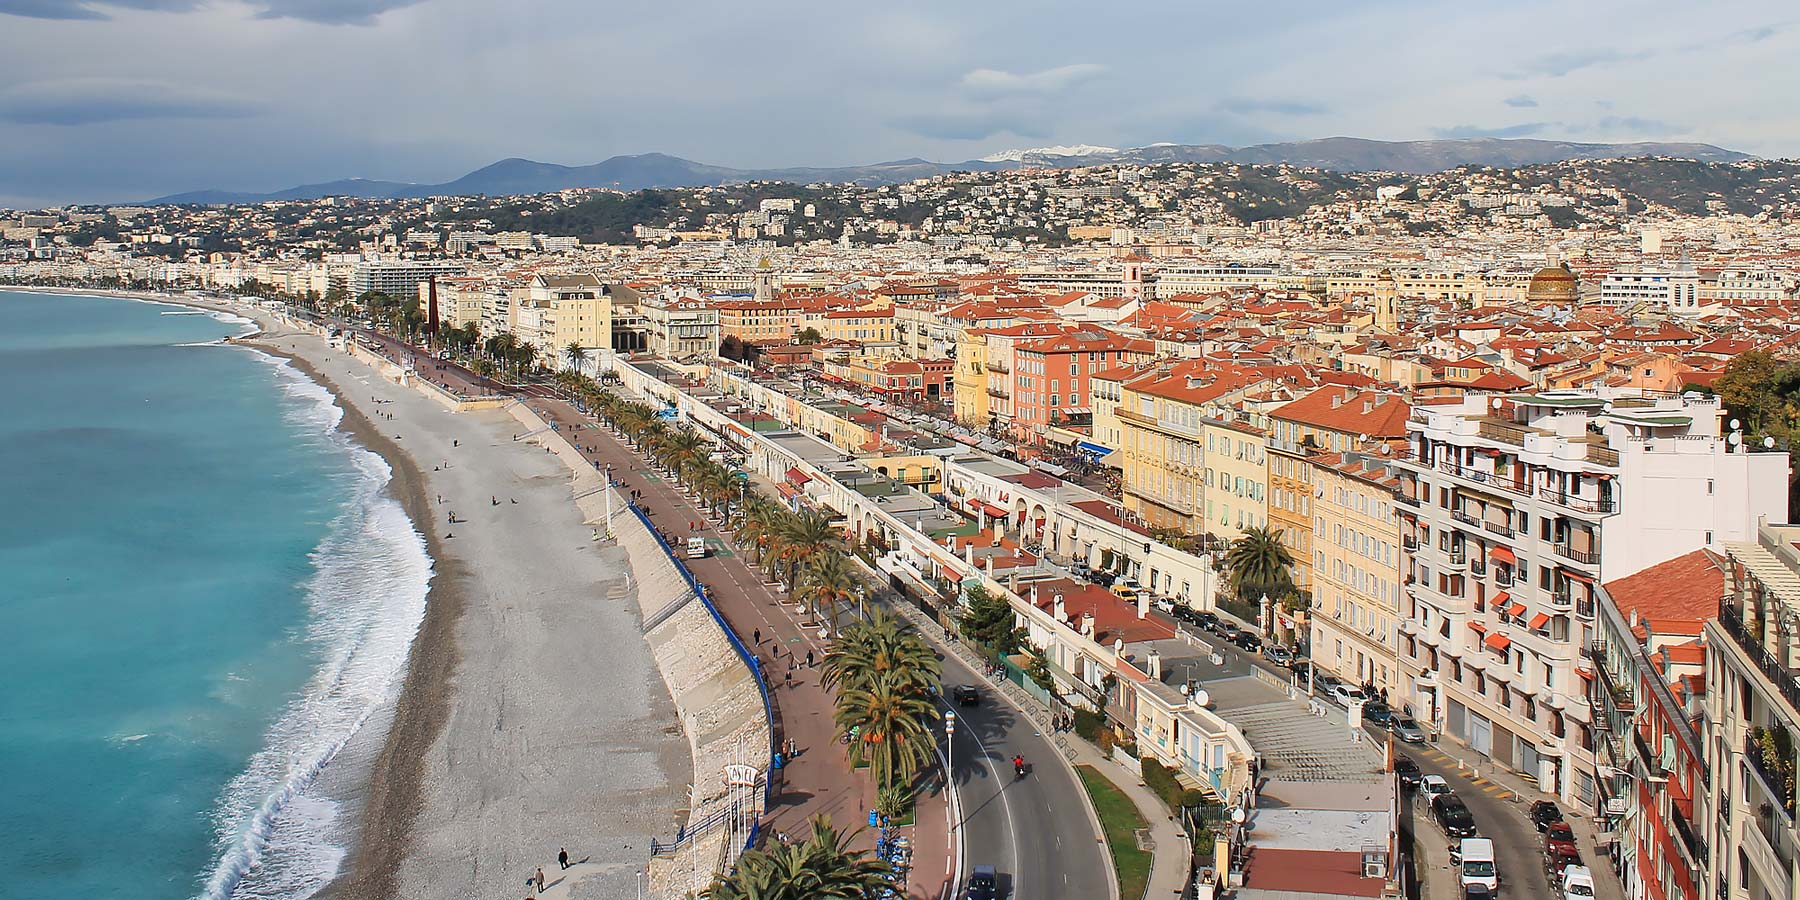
(1387, 303)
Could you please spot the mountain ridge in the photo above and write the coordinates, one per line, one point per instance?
(516, 175)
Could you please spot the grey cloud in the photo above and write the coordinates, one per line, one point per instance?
(1001, 83)
(972, 125)
(330, 12)
(1524, 129)
(89, 101)
(1556, 65)
(1522, 101)
(1248, 106)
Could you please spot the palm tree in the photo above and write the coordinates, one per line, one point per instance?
(881, 649)
(821, 867)
(893, 726)
(1258, 563)
(803, 537)
(762, 522)
(573, 354)
(827, 584)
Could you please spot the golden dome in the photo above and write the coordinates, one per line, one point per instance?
(1555, 284)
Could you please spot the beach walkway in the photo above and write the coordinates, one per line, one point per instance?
(818, 781)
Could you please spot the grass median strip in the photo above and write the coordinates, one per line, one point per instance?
(1121, 821)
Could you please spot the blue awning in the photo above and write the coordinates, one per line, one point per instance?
(1095, 449)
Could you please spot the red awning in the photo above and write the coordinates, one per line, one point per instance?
(1516, 610)
(1587, 674)
(993, 511)
(796, 476)
(1477, 626)
(1503, 555)
(1538, 621)
(1500, 598)
(1577, 576)
(1498, 641)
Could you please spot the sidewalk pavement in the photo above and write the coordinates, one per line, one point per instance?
(819, 780)
(1170, 851)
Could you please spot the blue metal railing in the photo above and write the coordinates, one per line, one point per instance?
(749, 658)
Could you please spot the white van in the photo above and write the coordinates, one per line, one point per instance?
(1478, 866)
(696, 548)
(1578, 883)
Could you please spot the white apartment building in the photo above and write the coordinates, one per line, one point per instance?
(679, 327)
(1207, 279)
(1743, 287)
(1513, 509)
(1676, 290)
(1753, 719)
(398, 279)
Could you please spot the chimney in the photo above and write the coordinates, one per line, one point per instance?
(1034, 595)
(1143, 603)
(1337, 400)
(968, 552)
(1155, 664)
(989, 563)
(1368, 407)
(1087, 624)
(1062, 609)
(1634, 619)
(997, 530)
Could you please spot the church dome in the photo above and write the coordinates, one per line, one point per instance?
(1554, 285)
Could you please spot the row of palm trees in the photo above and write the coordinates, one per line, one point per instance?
(821, 866)
(887, 680)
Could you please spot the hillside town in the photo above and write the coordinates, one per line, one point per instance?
(1512, 447)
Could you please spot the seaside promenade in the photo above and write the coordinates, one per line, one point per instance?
(819, 780)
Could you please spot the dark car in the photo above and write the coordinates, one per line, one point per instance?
(1205, 619)
(983, 884)
(1227, 631)
(1544, 814)
(1453, 816)
(1555, 863)
(1377, 713)
(966, 695)
(1559, 838)
(1407, 771)
(1248, 640)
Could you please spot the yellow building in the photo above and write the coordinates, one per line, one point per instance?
(1356, 542)
(1162, 453)
(1237, 476)
(859, 325)
(922, 471)
(971, 397)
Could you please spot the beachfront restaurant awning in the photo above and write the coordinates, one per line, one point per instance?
(1089, 447)
(993, 511)
(796, 476)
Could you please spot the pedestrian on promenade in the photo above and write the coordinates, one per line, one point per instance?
(540, 879)
(756, 637)
(809, 659)
(562, 857)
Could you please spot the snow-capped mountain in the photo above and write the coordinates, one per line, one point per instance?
(1041, 152)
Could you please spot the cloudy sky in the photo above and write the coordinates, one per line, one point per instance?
(110, 100)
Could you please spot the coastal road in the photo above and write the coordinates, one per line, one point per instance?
(1034, 831)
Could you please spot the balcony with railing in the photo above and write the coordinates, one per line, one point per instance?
(1503, 577)
(1466, 518)
(1785, 680)
(1686, 839)
(1651, 761)
(1585, 557)
(1502, 432)
(998, 392)
(994, 365)
(1764, 757)
(1576, 502)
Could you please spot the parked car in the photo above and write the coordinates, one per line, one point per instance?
(1453, 816)
(1407, 730)
(1325, 682)
(984, 884)
(1377, 713)
(1559, 838)
(1278, 655)
(1227, 631)
(1407, 771)
(1248, 640)
(966, 695)
(1577, 883)
(1477, 892)
(1344, 693)
(1433, 786)
(1544, 814)
(1205, 619)
(1556, 863)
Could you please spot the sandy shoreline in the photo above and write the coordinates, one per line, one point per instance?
(531, 715)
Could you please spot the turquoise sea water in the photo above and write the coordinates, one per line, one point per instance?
(207, 600)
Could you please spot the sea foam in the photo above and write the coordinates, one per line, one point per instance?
(279, 837)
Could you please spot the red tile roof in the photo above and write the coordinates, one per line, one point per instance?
(1323, 872)
(1684, 588)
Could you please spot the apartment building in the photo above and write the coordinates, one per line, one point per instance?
(1051, 385)
(1675, 290)
(557, 311)
(1237, 474)
(1753, 718)
(1162, 441)
(1331, 419)
(862, 326)
(1175, 280)
(1357, 564)
(1518, 507)
(398, 278)
(1648, 699)
(763, 321)
(680, 327)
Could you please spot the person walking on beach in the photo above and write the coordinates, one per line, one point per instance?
(540, 879)
(562, 857)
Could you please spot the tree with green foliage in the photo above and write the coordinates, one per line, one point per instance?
(1762, 392)
(808, 335)
(988, 619)
(1258, 563)
(822, 866)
